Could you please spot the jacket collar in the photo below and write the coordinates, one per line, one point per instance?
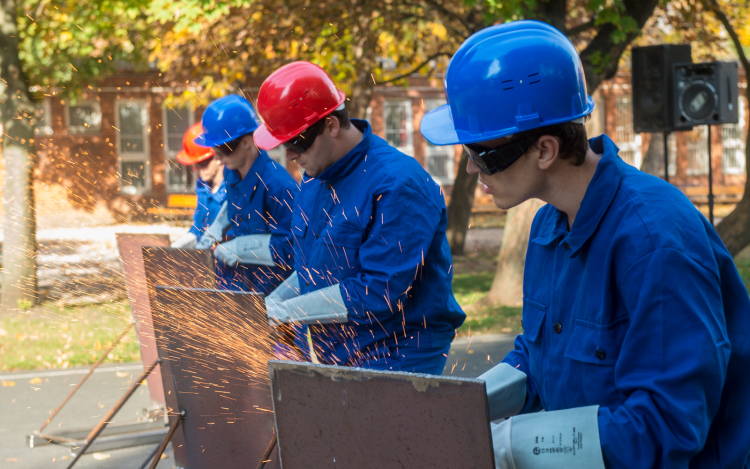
(599, 195)
(351, 160)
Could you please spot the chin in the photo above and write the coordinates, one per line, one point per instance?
(503, 203)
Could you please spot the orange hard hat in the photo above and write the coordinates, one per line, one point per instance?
(192, 152)
(292, 99)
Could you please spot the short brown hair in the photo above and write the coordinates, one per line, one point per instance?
(342, 116)
(573, 140)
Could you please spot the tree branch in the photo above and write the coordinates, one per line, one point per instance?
(415, 69)
(445, 11)
(714, 5)
(581, 27)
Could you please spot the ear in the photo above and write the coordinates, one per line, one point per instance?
(333, 126)
(247, 141)
(549, 150)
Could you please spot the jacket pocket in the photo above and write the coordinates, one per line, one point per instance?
(597, 344)
(299, 226)
(533, 319)
(347, 236)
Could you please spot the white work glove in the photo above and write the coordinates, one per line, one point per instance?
(324, 306)
(250, 249)
(506, 390)
(288, 289)
(560, 439)
(215, 232)
(187, 241)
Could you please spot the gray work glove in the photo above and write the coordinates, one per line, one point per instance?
(187, 241)
(250, 249)
(324, 306)
(215, 232)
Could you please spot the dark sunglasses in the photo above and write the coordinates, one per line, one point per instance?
(228, 148)
(304, 141)
(495, 160)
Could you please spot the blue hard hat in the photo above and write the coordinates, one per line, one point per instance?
(227, 119)
(506, 79)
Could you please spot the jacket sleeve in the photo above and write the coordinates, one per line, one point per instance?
(671, 365)
(392, 255)
(200, 215)
(279, 217)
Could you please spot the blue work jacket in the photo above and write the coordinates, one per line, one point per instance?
(258, 204)
(639, 309)
(374, 222)
(208, 205)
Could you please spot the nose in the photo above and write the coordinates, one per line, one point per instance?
(472, 167)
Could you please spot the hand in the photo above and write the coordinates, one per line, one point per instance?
(186, 241)
(215, 232)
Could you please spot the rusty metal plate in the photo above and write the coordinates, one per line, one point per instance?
(130, 246)
(188, 268)
(218, 344)
(332, 416)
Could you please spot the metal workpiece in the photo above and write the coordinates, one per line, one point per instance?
(218, 344)
(332, 416)
(130, 246)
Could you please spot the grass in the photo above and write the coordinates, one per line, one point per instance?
(51, 336)
(744, 268)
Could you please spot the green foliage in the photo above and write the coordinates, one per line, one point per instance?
(69, 43)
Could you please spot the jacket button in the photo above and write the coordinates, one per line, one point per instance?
(566, 245)
(558, 327)
(307, 284)
(317, 235)
(600, 354)
(329, 186)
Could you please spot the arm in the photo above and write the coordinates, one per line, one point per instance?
(671, 365)
(216, 230)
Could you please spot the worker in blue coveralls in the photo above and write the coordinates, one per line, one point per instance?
(636, 324)
(372, 263)
(210, 190)
(252, 233)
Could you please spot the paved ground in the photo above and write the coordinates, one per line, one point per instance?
(26, 398)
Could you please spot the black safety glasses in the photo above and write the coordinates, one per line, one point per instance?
(494, 160)
(304, 141)
(228, 148)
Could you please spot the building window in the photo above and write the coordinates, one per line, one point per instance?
(176, 123)
(438, 158)
(84, 117)
(131, 119)
(697, 151)
(626, 139)
(672, 149)
(398, 124)
(44, 123)
(733, 144)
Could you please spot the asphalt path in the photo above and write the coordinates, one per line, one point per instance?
(27, 398)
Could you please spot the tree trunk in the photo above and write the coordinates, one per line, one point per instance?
(19, 282)
(507, 286)
(459, 208)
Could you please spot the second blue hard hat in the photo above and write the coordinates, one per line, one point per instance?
(506, 79)
(227, 119)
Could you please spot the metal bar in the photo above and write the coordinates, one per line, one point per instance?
(267, 454)
(103, 423)
(83, 380)
(666, 156)
(150, 457)
(164, 442)
(710, 182)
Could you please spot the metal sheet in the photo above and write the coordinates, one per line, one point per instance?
(176, 268)
(218, 344)
(131, 257)
(331, 416)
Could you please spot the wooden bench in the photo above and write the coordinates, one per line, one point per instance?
(722, 194)
(178, 205)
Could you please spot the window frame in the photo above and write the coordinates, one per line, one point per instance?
(170, 156)
(409, 148)
(433, 151)
(83, 131)
(738, 144)
(697, 146)
(624, 102)
(45, 106)
(128, 157)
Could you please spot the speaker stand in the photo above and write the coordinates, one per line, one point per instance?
(710, 182)
(666, 156)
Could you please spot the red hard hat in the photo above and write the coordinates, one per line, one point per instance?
(192, 152)
(292, 99)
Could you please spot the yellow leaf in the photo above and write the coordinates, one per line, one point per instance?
(9, 384)
(35, 381)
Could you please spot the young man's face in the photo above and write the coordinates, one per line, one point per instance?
(208, 169)
(517, 184)
(239, 157)
(319, 156)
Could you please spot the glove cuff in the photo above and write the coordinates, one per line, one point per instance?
(506, 390)
(324, 306)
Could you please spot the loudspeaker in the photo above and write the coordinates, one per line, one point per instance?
(705, 94)
(652, 85)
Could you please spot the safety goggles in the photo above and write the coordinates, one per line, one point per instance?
(228, 148)
(304, 141)
(495, 160)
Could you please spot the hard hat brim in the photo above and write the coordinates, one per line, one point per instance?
(184, 158)
(439, 129)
